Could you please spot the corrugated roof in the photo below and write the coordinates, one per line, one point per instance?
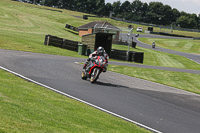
(98, 24)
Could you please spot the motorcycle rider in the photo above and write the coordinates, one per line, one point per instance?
(153, 44)
(99, 52)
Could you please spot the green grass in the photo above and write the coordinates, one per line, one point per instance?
(186, 33)
(26, 107)
(182, 45)
(24, 26)
(184, 81)
(156, 58)
(31, 43)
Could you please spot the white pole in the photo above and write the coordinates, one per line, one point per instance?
(129, 34)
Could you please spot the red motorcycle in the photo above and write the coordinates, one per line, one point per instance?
(94, 69)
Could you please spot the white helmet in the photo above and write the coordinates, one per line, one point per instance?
(100, 50)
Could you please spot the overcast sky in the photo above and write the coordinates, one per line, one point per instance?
(189, 6)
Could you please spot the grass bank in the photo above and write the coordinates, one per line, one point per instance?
(156, 58)
(24, 26)
(182, 45)
(31, 43)
(26, 107)
(184, 81)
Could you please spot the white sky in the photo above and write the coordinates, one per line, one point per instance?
(189, 6)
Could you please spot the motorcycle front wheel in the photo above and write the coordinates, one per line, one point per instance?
(94, 75)
(83, 75)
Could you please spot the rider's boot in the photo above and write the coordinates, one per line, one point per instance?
(84, 66)
(104, 69)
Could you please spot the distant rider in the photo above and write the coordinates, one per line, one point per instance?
(99, 52)
(153, 44)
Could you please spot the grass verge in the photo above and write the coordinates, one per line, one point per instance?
(31, 43)
(182, 45)
(26, 107)
(156, 58)
(184, 81)
(23, 26)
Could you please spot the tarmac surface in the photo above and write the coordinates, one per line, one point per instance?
(157, 106)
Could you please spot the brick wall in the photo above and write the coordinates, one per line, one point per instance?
(85, 32)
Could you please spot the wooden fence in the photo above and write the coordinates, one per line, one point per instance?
(86, 16)
(61, 42)
(118, 54)
(73, 45)
(133, 44)
(71, 27)
(127, 56)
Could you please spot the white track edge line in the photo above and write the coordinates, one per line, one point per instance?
(104, 110)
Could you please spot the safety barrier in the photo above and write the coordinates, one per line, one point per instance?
(61, 42)
(73, 45)
(127, 56)
(71, 27)
(133, 44)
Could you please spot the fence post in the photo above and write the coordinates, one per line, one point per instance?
(48, 40)
(63, 42)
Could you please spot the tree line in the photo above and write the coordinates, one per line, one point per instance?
(154, 12)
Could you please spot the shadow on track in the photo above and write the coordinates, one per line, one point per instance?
(109, 84)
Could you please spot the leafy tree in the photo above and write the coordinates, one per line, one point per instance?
(136, 7)
(167, 15)
(199, 21)
(182, 21)
(175, 14)
(117, 8)
(188, 21)
(126, 10)
(100, 7)
(144, 10)
(154, 13)
(91, 6)
(138, 10)
(81, 5)
(125, 7)
(108, 9)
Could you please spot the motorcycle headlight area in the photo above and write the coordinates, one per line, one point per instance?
(100, 62)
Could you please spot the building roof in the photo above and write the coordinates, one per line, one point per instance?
(98, 24)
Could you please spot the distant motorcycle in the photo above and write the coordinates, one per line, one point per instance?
(136, 35)
(94, 69)
(153, 45)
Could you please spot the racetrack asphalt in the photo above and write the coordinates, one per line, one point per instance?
(161, 107)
